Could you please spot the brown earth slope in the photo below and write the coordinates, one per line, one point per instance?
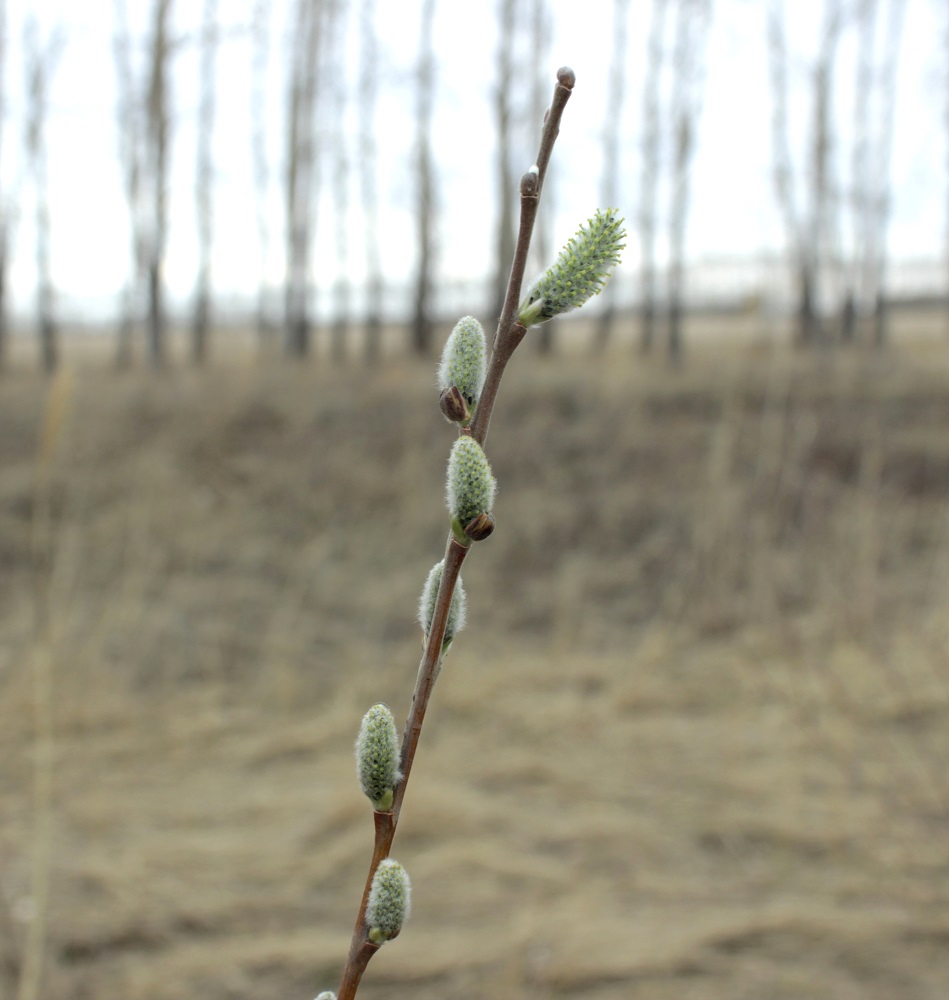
(693, 744)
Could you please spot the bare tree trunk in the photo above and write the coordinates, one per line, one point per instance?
(40, 63)
(341, 287)
(204, 185)
(946, 123)
(368, 86)
(616, 92)
(158, 135)
(129, 128)
(857, 277)
(881, 178)
(422, 323)
(506, 182)
(691, 33)
(301, 175)
(651, 139)
(946, 91)
(821, 239)
(260, 32)
(540, 33)
(4, 312)
(4, 209)
(801, 256)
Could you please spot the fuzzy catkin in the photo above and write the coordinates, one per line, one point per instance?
(389, 901)
(471, 486)
(580, 271)
(464, 359)
(377, 757)
(457, 610)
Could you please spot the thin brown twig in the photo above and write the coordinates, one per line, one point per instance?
(508, 335)
(509, 332)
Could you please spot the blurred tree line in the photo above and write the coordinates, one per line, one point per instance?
(835, 226)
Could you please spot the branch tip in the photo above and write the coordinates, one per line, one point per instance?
(566, 77)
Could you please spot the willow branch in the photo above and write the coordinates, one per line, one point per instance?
(508, 335)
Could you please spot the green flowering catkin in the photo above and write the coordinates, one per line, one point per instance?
(389, 901)
(580, 272)
(464, 360)
(456, 610)
(377, 757)
(471, 486)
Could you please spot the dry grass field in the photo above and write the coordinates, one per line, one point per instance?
(693, 744)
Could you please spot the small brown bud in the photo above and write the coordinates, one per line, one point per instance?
(566, 77)
(478, 528)
(454, 405)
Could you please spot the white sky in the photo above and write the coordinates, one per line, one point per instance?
(733, 211)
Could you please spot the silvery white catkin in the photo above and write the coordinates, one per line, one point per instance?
(389, 901)
(471, 485)
(377, 757)
(464, 359)
(457, 610)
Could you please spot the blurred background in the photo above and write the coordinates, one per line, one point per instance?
(694, 741)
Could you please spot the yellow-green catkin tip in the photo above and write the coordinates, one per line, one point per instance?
(456, 610)
(471, 486)
(580, 271)
(464, 360)
(377, 757)
(389, 901)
